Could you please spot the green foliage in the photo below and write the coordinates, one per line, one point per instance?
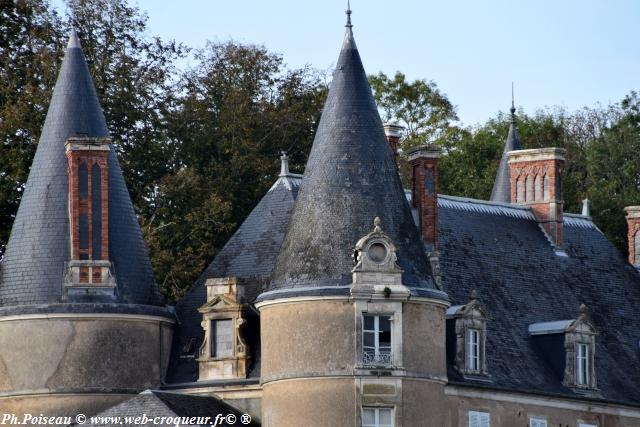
(240, 108)
(30, 41)
(419, 106)
(135, 79)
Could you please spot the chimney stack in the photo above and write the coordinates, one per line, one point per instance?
(586, 207)
(536, 181)
(424, 195)
(633, 236)
(393, 132)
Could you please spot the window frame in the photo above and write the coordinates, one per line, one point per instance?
(482, 416)
(582, 364)
(473, 350)
(537, 422)
(376, 331)
(214, 339)
(376, 410)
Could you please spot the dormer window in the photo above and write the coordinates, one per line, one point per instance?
(376, 340)
(473, 351)
(576, 339)
(468, 324)
(222, 341)
(582, 364)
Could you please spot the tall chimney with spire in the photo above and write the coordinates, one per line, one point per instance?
(76, 275)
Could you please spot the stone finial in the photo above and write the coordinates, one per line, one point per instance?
(584, 312)
(473, 295)
(376, 224)
(586, 207)
(284, 164)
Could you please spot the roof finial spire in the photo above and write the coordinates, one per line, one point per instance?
(348, 12)
(513, 106)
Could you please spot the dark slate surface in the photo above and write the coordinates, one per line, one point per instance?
(250, 254)
(350, 179)
(501, 186)
(32, 269)
(162, 404)
(502, 252)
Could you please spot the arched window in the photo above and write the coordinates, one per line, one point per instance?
(537, 184)
(96, 210)
(636, 246)
(546, 188)
(83, 181)
(529, 195)
(520, 190)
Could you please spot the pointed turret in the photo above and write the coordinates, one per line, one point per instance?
(350, 179)
(40, 251)
(502, 186)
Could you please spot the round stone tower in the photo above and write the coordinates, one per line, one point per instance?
(352, 325)
(82, 324)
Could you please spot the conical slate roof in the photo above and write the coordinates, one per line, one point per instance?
(502, 186)
(350, 178)
(33, 266)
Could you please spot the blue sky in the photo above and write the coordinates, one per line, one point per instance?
(558, 52)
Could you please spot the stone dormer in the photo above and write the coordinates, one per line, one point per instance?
(376, 270)
(224, 353)
(569, 346)
(467, 333)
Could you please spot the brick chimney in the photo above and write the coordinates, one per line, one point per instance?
(424, 191)
(536, 181)
(393, 132)
(633, 235)
(88, 174)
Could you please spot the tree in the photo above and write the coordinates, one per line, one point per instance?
(31, 38)
(135, 77)
(419, 106)
(240, 108)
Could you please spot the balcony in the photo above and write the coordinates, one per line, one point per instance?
(370, 357)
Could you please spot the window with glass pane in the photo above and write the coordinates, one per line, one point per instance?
(473, 352)
(537, 422)
(376, 339)
(222, 338)
(478, 419)
(582, 364)
(377, 417)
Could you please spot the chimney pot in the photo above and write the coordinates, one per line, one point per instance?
(586, 207)
(393, 133)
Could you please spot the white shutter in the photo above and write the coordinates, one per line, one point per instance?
(478, 419)
(537, 422)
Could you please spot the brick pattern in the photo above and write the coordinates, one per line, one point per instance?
(633, 234)
(425, 185)
(538, 184)
(32, 269)
(79, 205)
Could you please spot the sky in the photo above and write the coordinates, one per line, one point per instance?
(565, 53)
